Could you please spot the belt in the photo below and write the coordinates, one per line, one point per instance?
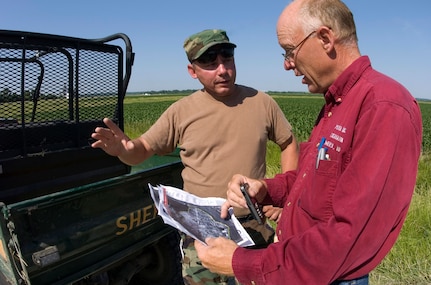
(358, 281)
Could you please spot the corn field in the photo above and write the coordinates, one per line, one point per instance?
(408, 262)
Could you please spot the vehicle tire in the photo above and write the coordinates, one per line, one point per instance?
(165, 267)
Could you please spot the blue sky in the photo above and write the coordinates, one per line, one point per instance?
(396, 35)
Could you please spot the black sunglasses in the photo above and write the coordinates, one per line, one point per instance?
(211, 55)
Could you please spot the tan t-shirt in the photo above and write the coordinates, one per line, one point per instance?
(218, 138)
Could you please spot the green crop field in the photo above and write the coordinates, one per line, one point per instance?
(409, 261)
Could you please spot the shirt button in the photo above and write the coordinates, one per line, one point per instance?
(252, 282)
(329, 114)
(289, 203)
(303, 175)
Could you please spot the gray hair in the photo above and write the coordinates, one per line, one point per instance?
(331, 13)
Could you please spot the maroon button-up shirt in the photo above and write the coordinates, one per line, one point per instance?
(343, 211)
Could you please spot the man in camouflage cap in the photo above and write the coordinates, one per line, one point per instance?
(211, 57)
(197, 44)
(221, 130)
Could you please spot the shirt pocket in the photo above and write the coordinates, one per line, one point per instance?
(316, 197)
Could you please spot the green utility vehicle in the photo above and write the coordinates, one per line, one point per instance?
(71, 214)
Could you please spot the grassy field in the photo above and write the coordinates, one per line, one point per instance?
(409, 262)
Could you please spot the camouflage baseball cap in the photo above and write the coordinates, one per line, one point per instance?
(197, 44)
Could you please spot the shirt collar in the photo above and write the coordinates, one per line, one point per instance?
(347, 79)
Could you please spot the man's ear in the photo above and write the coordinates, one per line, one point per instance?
(191, 70)
(327, 37)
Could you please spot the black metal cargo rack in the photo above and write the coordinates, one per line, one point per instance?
(54, 91)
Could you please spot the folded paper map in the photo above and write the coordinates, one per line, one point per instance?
(197, 217)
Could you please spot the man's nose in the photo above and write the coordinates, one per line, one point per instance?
(221, 64)
(288, 65)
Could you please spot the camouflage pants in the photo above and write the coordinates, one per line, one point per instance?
(193, 271)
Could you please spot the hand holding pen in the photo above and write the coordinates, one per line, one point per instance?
(235, 198)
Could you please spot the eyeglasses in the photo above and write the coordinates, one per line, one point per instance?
(288, 55)
(210, 56)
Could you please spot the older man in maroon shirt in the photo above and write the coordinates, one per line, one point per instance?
(346, 203)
